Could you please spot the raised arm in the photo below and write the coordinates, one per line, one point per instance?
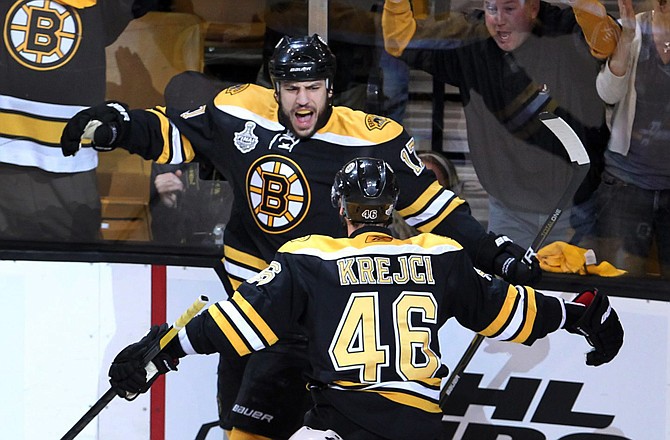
(400, 29)
(601, 31)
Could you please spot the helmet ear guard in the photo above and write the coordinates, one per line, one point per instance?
(367, 191)
(302, 59)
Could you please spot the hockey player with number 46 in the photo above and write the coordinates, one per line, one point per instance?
(279, 150)
(372, 306)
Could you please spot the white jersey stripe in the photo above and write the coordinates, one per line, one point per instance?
(517, 319)
(434, 209)
(242, 325)
(238, 271)
(177, 147)
(39, 109)
(247, 115)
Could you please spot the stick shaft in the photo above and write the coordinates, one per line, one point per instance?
(151, 353)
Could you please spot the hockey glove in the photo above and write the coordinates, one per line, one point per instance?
(499, 255)
(591, 315)
(106, 126)
(129, 376)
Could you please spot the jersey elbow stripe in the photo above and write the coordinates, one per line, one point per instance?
(430, 208)
(530, 315)
(258, 322)
(506, 314)
(228, 330)
(235, 256)
(428, 227)
(243, 327)
(429, 195)
(176, 148)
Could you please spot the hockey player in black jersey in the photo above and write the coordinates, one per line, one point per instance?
(279, 148)
(371, 306)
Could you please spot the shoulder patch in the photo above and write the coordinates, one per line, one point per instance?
(250, 97)
(360, 128)
(374, 122)
(233, 90)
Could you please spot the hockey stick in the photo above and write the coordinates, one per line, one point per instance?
(180, 323)
(580, 164)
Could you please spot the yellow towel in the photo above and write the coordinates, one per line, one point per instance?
(561, 257)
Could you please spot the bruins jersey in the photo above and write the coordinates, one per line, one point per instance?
(371, 306)
(52, 65)
(282, 184)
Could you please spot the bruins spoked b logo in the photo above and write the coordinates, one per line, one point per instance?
(42, 34)
(278, 193)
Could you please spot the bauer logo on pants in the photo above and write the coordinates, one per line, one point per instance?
(42, 34)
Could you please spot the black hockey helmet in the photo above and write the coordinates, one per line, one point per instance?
(302, 59)
(366, 187)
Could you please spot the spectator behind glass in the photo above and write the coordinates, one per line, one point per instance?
(43, 195)
(634, 198)
(185, 208)
(510, 63)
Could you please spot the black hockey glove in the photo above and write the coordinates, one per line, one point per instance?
(128, 373)
(499, 255)
(106, 125)
(591, 315)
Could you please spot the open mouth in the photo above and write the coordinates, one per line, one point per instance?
(304, 117)
(504, 36)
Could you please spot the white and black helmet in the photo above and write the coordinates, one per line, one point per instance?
(367, 190)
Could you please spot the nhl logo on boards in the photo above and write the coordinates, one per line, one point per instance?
(42, 34)
(246, 140)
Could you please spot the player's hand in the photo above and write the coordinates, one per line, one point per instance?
(129, 376)
(513, 268)
(103, 127)
(499, 255)
(598, 323)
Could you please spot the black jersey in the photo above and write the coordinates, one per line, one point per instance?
(371, 306)
(52, 65)
(282, 184)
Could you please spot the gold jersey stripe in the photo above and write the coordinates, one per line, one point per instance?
(505, 311)
(228, 330)
(422, 201)
(530, 315)
(237, 256)
(165, 134)
(255, 318)
(44, 131)
(428, 227)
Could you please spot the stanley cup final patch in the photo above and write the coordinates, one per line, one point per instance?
(246, 140)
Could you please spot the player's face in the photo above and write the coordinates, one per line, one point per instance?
(303, 103)
(510, 21)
